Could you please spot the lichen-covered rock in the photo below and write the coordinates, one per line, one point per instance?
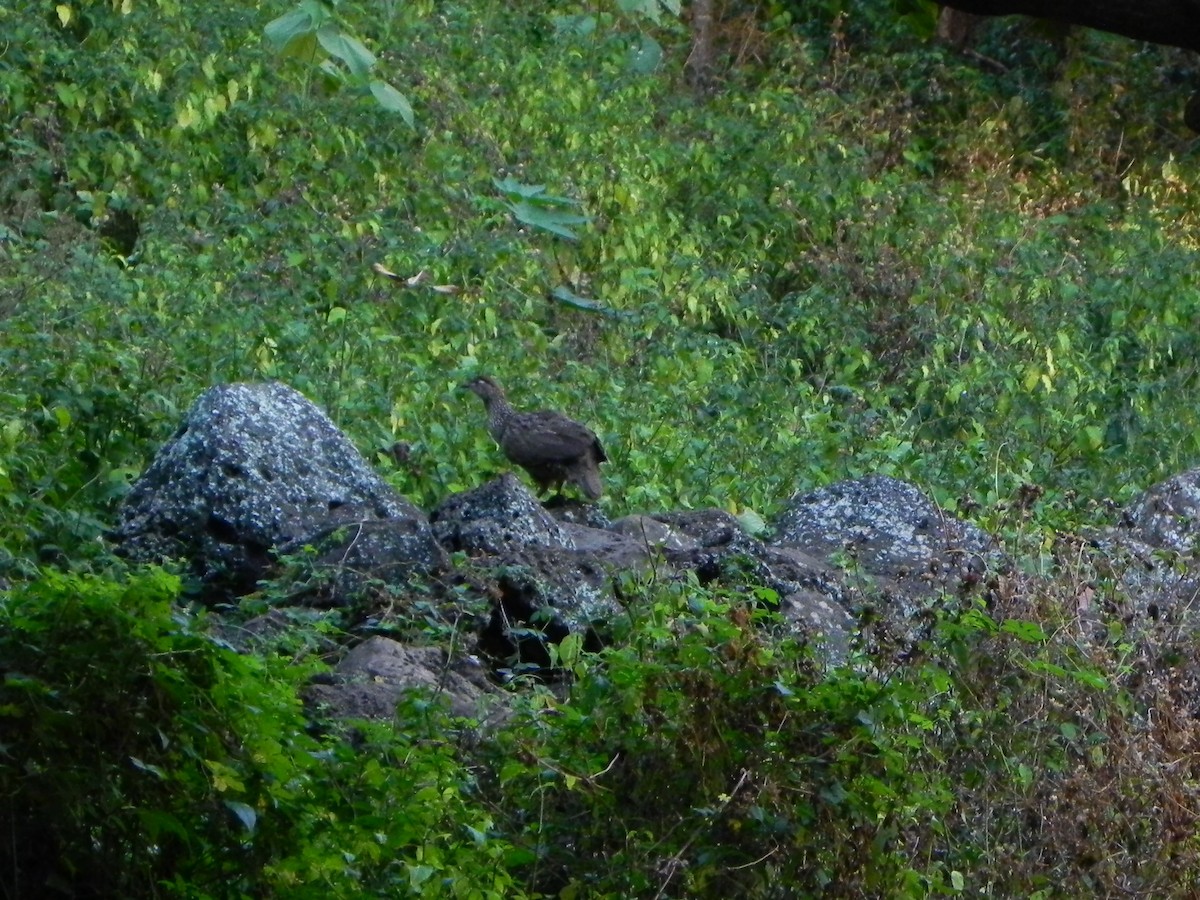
(253, 468)
(495, 517)
(1148, 564)
(704, 527)
(885, 528)
(1167, 515)
(809, 593)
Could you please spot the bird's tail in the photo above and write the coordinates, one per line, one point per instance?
(587, 479)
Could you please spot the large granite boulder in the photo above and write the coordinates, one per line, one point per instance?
(890, 531)
(256, 469)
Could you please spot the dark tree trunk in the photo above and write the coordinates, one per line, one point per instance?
(700, 61)
(1175, 23)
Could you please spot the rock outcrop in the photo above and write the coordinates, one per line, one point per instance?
(257, 474)
(256, 470)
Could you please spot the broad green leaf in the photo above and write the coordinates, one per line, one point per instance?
(418, 875)
(645, 57)
(510, 186)
(574, 26)
(336, 75)
(1091, 678)
(548, 219)
(651, 9)
(392, 100)
(519, 856)
(568, 297)
(245, 813)
(288, 28)
(1091, 437)
(303, 46)
(534, 193)
(346, 48)
(157, 823)
(147, 767)
(752, 522)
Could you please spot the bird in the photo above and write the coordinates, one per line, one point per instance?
(550, 447)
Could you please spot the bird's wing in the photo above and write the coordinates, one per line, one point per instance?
(551, 437)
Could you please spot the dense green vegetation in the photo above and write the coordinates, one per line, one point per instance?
(856, 253)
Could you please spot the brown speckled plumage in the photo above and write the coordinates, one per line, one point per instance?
(550, 447)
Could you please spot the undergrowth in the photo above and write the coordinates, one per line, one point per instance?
(854, 252)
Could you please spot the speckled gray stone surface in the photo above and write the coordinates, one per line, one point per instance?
(887, 527)
(253, 468)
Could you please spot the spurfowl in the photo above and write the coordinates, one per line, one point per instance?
(550, 447)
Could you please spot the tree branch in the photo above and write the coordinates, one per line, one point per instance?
(1174, 23)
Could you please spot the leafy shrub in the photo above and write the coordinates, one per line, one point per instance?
(711, 755)
(142, 756)
(706, 758)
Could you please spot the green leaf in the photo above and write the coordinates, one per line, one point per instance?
(1030, 632)
(392, 100)
(245, 813)
(645, 57)
(293, 33)
(291, 25)
(567, 297)
(516, 857)
(346, 48)
(1091, 678)
(753, 523)
(301, 47)
(574, 26)
(516, 189)
(548, 219)
(147, 767)
(418, 875)
(650, 9)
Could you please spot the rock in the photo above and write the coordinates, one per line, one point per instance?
(808, 592)
(1151, 559)
(574, 512)
(354, 556)
(704, 527)
(1167, 515)
(272, 629)
(377, 674)
(254, 468)
(887, 529)
(498, 516)
(547, 578)
(653, 533)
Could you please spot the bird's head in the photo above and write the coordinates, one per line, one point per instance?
(485, 387)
